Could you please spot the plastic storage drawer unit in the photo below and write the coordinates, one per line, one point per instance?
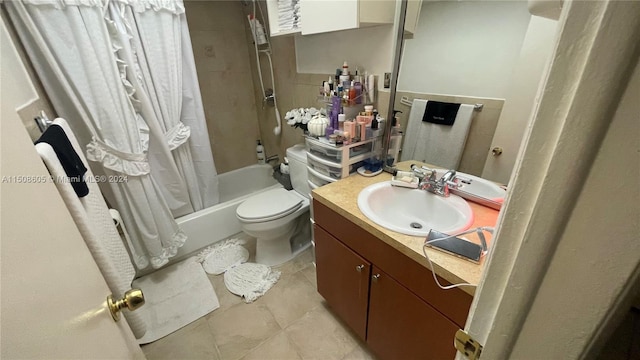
(318, 179)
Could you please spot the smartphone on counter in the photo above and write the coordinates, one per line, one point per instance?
(461, 248)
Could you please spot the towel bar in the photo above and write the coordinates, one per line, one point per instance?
(406, 101)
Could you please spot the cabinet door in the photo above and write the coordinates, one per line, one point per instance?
(343, 280)
(320, 16)
(402, 326)
(413, 16)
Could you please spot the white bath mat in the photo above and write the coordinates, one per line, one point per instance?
(250, 280)
(222, 256)
(175, 297)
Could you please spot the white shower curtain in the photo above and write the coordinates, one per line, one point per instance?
(117, 71)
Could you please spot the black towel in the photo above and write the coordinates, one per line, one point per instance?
(440, 113)
(71, 162)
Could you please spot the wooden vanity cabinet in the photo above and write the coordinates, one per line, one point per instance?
(403, 326)
(392, 302)
(343, 280)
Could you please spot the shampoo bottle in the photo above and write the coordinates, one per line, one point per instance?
(260, 153)
(257, 30)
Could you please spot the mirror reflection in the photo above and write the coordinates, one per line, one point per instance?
(487, 56)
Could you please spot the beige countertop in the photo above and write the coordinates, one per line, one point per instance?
(342, 197)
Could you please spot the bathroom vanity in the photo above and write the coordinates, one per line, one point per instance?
(379, 282)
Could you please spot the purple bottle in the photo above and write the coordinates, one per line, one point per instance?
(335, 110)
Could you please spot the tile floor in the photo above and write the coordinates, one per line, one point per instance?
(291, 321)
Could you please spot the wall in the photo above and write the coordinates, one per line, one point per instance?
(227, 70)
(218, 35)
(368, 48)
(464, 48)
(32, 108)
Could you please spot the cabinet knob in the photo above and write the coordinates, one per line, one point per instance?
(375, 277)
(359, 268)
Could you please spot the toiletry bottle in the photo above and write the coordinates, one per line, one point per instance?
(328, 132)
(349, 126)
(330, 82)
(341, 120)
(260, 153)
(327, 90)
(352, 94)
(335, 111)
(395, 122)
(371, 88)
(345, 78)
(358, 86)
(375, 131)
(257, 30)
(368, 110)
(363, 131)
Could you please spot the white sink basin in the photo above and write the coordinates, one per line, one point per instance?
(414, 211)
(477, 189)
(478, 186)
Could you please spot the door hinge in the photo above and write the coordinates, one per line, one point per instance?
(467, 345)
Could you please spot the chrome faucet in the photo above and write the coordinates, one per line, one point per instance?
(431, 184)
(272, 158)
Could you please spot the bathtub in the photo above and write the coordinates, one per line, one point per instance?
(210, 225)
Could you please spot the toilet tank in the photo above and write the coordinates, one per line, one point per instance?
(297, 155)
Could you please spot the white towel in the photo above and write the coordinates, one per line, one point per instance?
(435, 144)
(92, 217)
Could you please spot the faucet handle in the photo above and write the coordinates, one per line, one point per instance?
(423, 171)
(452, 184)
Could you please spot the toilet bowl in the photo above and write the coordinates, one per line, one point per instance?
(278, 217)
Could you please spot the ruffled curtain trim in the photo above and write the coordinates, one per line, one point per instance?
(177, 240)
(174, 6)
(177, 135)
(110, 158)
(61, 4)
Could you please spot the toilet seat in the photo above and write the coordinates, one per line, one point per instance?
(269, 205)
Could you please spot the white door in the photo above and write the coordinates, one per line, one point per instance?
(52, 293)
(536, 50)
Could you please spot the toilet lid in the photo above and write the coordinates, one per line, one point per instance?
(269, 205)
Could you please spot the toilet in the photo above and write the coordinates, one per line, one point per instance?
(279, 218)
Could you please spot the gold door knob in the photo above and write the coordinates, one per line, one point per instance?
(132, 300)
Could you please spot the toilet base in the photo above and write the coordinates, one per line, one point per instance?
(273, 252)
(276, 251)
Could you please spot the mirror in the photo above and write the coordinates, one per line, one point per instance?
(491, 53)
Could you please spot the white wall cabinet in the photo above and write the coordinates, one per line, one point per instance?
(322, 16)
(413, 15)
